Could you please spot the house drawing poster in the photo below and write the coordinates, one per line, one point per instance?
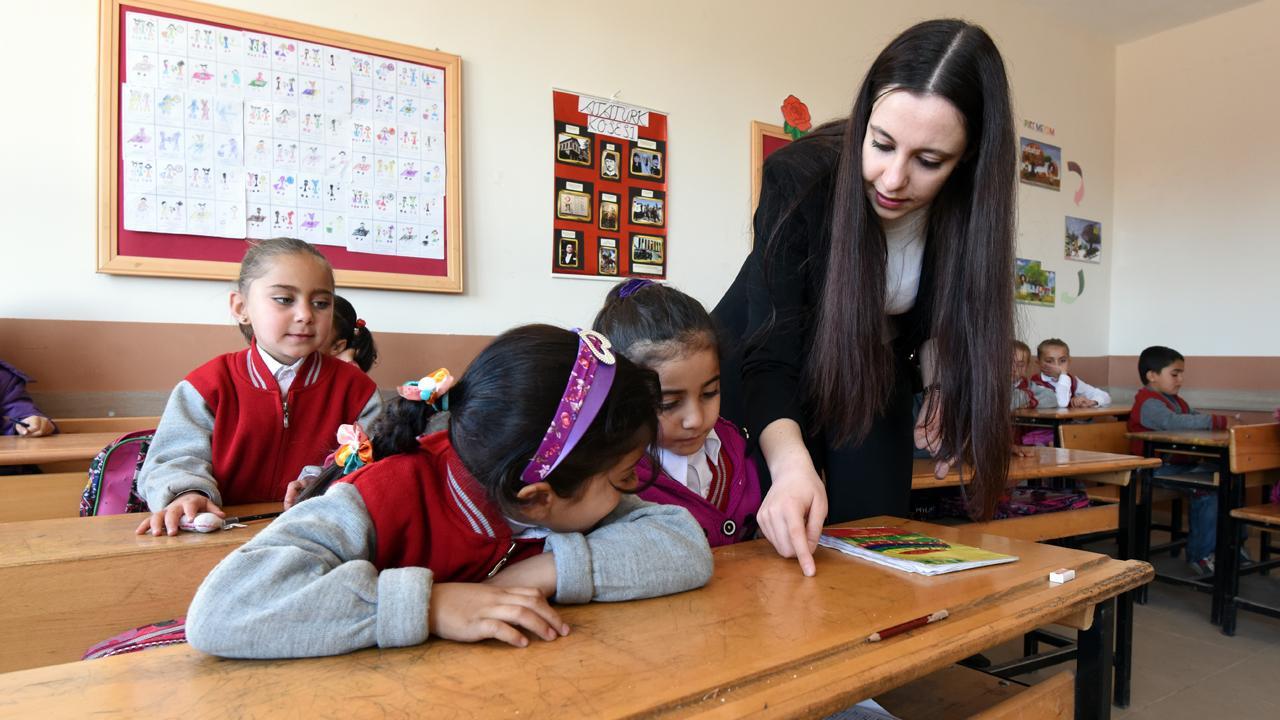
(610, 211)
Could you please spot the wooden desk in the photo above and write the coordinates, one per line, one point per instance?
(1053, 417)
(70, 583)
(1047, 462)
(41, 497)
(1236, 451)
(759, 639)
(15, 450)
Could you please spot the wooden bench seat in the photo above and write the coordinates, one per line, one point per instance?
(959, 692)
(1055, 525)
(1264, 514)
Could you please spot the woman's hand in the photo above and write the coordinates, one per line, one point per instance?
(188, 505)
(795, 508)
(928, 432)
(470, 612)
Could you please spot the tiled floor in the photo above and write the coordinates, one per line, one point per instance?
(1185, 667)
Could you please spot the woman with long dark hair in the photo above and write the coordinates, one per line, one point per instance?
(882, 240)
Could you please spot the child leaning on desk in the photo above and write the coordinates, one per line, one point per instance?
(1055, 386)
(20, 414)
(1158, 406)
(463, 533)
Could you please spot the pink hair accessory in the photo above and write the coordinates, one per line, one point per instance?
(429, 389)
(354, 451)
(584, 395)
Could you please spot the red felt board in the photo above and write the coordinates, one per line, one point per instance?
(122, 251)
(589, 175)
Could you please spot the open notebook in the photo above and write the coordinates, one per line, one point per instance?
(909, 551)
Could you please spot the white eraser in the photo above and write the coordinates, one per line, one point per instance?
(203, 523)
(1062, 575)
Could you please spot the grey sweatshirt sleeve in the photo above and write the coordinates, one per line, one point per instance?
(181, 454)
(1018, 399)
(371, 411)
(1157, 416)
(639, 550)
(305, 587)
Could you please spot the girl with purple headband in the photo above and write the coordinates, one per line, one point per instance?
(466, 532)
(703, 460)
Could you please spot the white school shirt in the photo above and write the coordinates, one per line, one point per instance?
(284, 374)
(693, 471)
(904, 238)
(1063, 388)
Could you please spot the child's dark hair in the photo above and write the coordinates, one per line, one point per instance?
(1051, 342)
(500, 409)
(257, 259)
(1155, 359)
(346, 326)
(652, 323)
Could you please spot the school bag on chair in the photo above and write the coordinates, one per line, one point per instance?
(113, 476)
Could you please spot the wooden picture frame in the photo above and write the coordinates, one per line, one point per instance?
(760, 149)
(428, 275)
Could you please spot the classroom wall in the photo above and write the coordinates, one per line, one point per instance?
(1196, 214)
(713, 65)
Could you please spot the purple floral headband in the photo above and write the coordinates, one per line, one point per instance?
(584, 395)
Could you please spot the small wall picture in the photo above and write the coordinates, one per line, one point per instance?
(571, 205)
(647, 249)
(610, 164)
(608, 211)
(646, 163)
(1041, 164)
(608, 261)
(1083, 240)
(647, 208)
(573, 149)
(568, 253)
(1035, 285)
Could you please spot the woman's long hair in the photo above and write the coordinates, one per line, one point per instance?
(970, 243)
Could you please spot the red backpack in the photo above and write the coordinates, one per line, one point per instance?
(113, 477)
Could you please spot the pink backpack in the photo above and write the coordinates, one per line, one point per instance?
(113, 477)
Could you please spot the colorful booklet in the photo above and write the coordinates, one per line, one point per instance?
(909, 551)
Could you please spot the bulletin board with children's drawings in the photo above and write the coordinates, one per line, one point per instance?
(610, 217)
(219, 127)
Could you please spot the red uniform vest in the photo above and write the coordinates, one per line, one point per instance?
(260, 441)
(428, 511)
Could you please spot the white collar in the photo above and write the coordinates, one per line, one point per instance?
(677, 466)
(275, 366)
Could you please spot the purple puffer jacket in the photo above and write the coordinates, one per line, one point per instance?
(14, 401)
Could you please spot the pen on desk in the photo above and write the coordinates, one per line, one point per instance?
(16, 421)
(908, 625)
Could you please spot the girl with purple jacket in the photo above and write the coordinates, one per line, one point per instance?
(20, 414)
(705, 466)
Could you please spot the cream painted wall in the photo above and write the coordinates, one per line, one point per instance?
(714, 65)
(1196, 191)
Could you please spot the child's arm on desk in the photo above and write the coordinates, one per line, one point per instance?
(177, 477)
(1095, 396)
(639, 550)
(1156, 415)
(305, 587)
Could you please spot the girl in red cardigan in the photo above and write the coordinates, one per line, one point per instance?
(239, 428)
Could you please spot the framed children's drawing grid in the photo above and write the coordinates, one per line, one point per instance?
(219, 127)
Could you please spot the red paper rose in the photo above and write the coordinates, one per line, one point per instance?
(796, 113)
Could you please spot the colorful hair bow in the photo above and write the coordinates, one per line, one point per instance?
(354, 450)
(359, 322)
(430, 389)
(584, 395)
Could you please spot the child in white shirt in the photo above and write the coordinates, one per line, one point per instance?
(1054, 386)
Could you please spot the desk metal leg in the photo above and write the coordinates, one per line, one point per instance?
(1094, 664)
(1142, 523)
(1229, 566)
(1124, 647)
(1228, 483)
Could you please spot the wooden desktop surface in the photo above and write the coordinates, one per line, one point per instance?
(1199, 438)
(760, 638)
(1046, 462)
(1071, 413)
(16, 450)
